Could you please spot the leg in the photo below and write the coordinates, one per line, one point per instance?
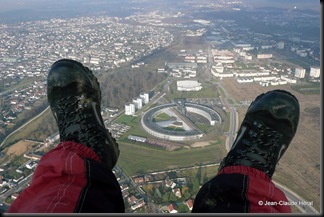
(70, 178)
(76, 176)
(243, 183)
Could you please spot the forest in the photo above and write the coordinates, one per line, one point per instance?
(121, 87)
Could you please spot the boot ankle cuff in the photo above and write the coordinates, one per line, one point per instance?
(245, 170)
(81, 150)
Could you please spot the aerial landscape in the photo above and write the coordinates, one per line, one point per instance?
(176, 78)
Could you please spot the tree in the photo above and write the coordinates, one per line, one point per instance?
(196, 185)
(205, 178)
(198, 175)
(172, 175)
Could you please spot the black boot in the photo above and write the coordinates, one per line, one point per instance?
(75, 99)
(268, 127)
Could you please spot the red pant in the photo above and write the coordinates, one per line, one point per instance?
(71, 178)
(240, 189)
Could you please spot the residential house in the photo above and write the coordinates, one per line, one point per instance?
(139, 203)
(124, 187)
(132, 200)
(189, 204)
(2, 183)
(139, 180)
(14, 195)
(172, 208)
(177, 192)
(170, 184)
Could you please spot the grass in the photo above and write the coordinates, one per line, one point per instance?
(127, 119)
(161, 117)
(285, 179)
(21, 84)
(203, 127)
(27, 130)
(133, 122)
(134, 158)
(210, 172)
(302, 62)
(313, 88)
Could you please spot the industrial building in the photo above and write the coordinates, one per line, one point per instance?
(188, 85)
(193, 133)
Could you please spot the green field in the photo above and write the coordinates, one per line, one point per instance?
(139, 159)
(203, 127)
(27, 130)
(312, 88)
(161, 117)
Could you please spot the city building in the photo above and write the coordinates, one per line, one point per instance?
(281, 45)
(137, 138)
(188, 85)
(145, 97)
(264, 56)
(190, 133)
(138, 102)
(300, 73)
(315, 72)
(130, 109)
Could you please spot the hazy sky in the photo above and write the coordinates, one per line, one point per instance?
(25, 4)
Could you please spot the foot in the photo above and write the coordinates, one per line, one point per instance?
(266, 132)
(74, 96)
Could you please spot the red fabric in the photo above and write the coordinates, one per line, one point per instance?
(57, 181)
(261, 191)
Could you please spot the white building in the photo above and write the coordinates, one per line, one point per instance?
(145, 97)
(221, 75)
(252, 73)
(288, 79)
(94, 60)
(31, 165)
(188, 85)
(138, 102)
(315, 72)
(300, 73)
(264, 56)
(130, 109)
(281, 45)
(244, 80)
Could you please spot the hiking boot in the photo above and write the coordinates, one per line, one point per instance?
(74, 96)
(268, 127)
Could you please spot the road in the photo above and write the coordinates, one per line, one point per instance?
(15, 189)
(24, 125)
(303, 205)
(20, 86)
(139, 190)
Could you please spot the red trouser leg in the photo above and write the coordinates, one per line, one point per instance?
(70, 178)
(240, 189)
